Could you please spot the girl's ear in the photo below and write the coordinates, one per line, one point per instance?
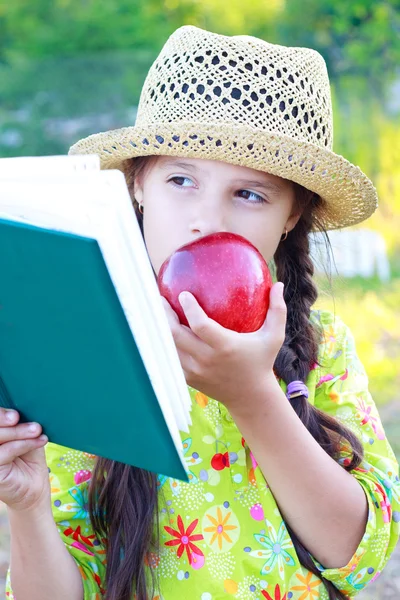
(138, 192)
(292, 221)
(143, 165)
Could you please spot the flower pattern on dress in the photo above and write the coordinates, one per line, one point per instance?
(365, 413)
(193, 459)
(355, 579)
(389, 479)
(276, 545)
(277, 594)
(308, 587)
(55, 487)
(79, 507)
(329, 337)
(222, 530)
(80, 541)
(184, 539)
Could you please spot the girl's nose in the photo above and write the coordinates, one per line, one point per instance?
(208, 218)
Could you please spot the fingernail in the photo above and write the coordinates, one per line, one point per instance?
(33, 427)
(10, 415)
(184, 299)
(281, 288)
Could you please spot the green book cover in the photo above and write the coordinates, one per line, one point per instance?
(68, 359)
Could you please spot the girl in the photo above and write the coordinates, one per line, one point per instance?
(294, 490)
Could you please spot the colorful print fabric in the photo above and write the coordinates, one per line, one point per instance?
(222, 534)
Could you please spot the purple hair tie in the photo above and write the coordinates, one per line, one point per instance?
(295, 389)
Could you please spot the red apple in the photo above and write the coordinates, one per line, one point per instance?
(226, 274)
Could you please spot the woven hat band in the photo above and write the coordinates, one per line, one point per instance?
(207, 78)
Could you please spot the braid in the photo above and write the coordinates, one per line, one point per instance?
(299, 352)
(295, 268)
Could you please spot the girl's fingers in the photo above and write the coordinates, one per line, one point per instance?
(187, 362)
(12, 450)
(8, 417)
(17, 439)
(185, 340)
(19, 432)
(171, 314)
(275, 322)
(187, 368)
(208, 330)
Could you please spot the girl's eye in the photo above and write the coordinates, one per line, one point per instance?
(253, 197)
(178, 181)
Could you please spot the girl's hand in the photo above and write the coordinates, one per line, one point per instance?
(223, 364)
(24, 477)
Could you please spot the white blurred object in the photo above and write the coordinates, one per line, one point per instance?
(355, 251)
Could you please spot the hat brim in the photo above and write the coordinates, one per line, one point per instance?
(349, 197)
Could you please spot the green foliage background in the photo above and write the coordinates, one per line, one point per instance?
(69, 68)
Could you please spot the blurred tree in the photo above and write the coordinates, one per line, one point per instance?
(253, 17)
(360, 40)
(69, 58)
(68, 27)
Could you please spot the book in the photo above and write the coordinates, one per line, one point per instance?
(85, 345)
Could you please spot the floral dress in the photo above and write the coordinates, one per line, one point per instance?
(222, 534)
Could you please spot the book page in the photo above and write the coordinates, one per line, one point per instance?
(128, 223)
(25, 166)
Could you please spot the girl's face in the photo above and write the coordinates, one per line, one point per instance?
(185, 198)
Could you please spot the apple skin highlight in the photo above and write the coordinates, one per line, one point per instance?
(226, 274)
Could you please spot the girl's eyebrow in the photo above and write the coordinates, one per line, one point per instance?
(268, 185)
(179, 164)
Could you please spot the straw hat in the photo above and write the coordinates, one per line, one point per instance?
(247, 102)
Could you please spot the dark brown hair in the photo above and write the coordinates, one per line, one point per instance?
(123, 500)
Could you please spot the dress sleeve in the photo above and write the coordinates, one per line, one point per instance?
(342, 391)
(70, 472)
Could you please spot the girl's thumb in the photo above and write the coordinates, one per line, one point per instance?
(275, 323)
